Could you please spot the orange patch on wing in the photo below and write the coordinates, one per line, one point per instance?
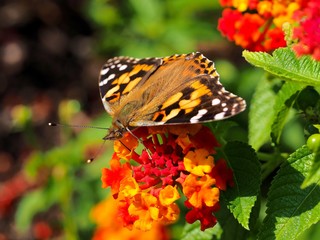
(157, 114)
(199, 90)
(115, 98)
(185, 104)
(197, 84)
(132, 84)
(165, 118)
(139, 68)
(188, 110)
(171, 100)
(112, 91)
(124, 78)
(172, 114)
(203, 90)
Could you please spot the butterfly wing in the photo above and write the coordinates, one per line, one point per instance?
(120, 75)
(191, 92)
(204, 100)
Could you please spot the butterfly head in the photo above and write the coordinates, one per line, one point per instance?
(116, 131)
(115, 134)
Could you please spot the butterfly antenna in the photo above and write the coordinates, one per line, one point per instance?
(90, 160)
(140, 141)
(52, 124)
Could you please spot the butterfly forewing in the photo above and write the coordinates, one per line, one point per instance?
(120, 75)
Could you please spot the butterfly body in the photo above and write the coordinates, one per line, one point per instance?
(178, 89)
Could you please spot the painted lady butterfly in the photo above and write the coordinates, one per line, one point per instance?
(178, 89)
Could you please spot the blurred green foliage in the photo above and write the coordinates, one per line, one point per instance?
(66, 182)
(144, 28)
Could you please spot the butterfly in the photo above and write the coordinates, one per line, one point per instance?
(178, 89)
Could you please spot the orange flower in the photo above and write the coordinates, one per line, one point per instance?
(169, 213)
(201, 190)
(168, 195)
(108, 218)
(264, 8)
(283, 12)
(112, 178)
(185, 143)
(145, 207)
(125, 146)
(241, 5)
(129, 187)
(198, 162)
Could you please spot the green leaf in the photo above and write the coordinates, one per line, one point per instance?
(221, 128)
(284, 101)
(290, 209)
(232, 229)
(313, 175)
(247, 178)
(284, 64)
(193, 232)
(261, 114)
(29, 205)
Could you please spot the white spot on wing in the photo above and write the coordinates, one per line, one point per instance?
(123, 67)
(105, 81)
(104, 71)
(215, 101)
(196, 118)
(219, 116)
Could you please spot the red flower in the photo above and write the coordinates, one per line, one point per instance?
(248, 32)
(308, 33)
(222, 174)
(204, 215)
(260, 28)
(226, 24)
(274, 39)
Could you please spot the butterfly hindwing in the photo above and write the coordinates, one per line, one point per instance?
(203, 100)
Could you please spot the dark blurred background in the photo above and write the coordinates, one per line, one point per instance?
(50, 56)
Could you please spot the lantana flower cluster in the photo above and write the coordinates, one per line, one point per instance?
(256, 25)
(308, 31)
(176, 161)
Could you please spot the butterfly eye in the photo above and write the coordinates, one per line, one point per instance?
(118, 134)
